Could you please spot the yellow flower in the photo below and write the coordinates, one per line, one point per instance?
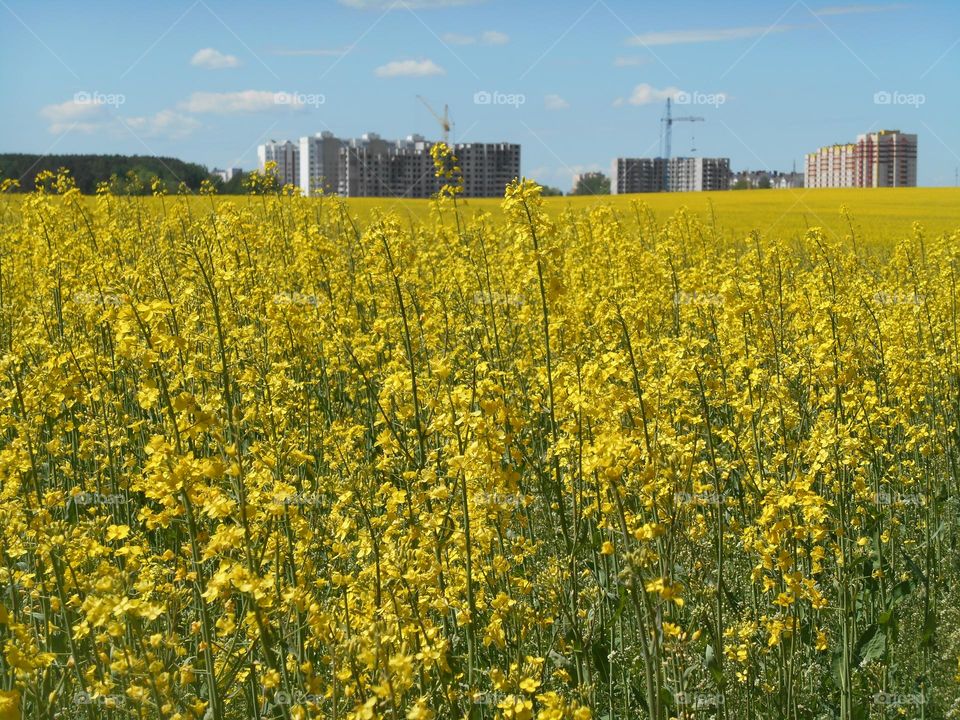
(117, 532)
(9, 705)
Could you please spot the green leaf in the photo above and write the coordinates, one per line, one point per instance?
(900, 592)
(929, 630)
(872, 645)
(713, 665)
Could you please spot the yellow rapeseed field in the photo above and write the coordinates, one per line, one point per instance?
(277, 457)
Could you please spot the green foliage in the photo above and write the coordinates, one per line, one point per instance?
(90, 170)
(592, 184)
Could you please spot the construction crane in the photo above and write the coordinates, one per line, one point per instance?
(668, 120)
(443, 120)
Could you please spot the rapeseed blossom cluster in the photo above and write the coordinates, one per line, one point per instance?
(264, 459)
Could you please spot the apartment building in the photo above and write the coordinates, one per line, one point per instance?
(637, 175)
(887, 158)
(832, 166)
(319, 163)
(370, 166)
(487, 167)
(690, 174)
(287, 157)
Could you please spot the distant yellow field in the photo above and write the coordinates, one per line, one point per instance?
(879, 216)
(882, 214)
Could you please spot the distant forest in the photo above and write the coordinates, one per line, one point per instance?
(127, 174)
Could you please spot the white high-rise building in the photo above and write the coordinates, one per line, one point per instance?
(832, 166)
(287, 157)
(320, 163)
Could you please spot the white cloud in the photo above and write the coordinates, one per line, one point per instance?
(645, 94)
(211, 59)
(494, 37)
(404, 4)
(245, 101)
(166, 123)
(630, 61)
(555, 102)
(78, 116)
(409, 68)
(89, 117)
(679, 37)
(855, 9)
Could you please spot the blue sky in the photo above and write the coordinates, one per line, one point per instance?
(576, 82)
